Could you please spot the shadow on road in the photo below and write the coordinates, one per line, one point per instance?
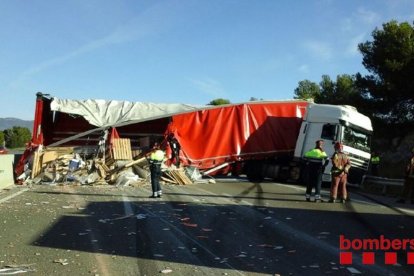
(246, 238)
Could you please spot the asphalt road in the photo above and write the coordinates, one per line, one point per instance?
(232, 227)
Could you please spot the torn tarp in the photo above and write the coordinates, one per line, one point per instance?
(102, 113)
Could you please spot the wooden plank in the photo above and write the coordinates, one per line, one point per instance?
(121, 149)
(179, 174)
(168, 180)
(170, 177)
(101, 170)
(37, 164)
(49, 156)
(171, 174)
(183, 177)
(105, 167)
(189, 181)
(60, 150)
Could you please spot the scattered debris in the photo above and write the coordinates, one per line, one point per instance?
(176, 176)
(61, 261)
(16, 269)
(190, 224)
(353, 270)
(116, 164)
(141, 216)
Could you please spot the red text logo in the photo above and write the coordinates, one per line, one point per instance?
(368, 246)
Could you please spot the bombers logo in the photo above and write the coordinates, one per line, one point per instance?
(367, 246)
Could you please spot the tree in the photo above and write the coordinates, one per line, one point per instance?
(307, 90)
(1, 138)
(219, 101)
(327, 90)
(17, 137)
(389, 87)
(343, 91)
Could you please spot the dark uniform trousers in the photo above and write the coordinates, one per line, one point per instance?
(314, 177)
(155, 169)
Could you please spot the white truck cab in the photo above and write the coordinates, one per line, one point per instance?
(337, 123)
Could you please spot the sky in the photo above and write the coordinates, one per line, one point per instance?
(180, 51)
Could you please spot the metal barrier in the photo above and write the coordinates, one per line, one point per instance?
(385, 182)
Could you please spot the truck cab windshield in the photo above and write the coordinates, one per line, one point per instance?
(355, 138)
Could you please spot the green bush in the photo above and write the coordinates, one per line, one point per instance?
(17, 137)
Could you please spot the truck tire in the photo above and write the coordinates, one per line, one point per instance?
(284, 174)
(294, 174)
(254, 170)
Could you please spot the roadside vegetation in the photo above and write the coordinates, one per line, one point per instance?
(15, 137)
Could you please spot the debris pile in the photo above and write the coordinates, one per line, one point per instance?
(118, 164)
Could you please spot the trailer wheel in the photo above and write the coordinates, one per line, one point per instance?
(254, 170)
(284, 174)
(294, 174)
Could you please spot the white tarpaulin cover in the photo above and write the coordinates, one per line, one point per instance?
(102, 113)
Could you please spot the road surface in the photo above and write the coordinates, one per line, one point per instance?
(231, 227)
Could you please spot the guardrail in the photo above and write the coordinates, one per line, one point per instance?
(385, 182)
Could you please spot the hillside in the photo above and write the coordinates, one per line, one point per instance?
(6, 123)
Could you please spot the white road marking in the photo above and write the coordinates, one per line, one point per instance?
(127, 206)
(297, 188)
(13, 195)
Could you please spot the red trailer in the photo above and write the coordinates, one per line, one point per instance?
(209, 136)
(238, 132)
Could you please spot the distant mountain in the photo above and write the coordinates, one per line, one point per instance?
(6, 123)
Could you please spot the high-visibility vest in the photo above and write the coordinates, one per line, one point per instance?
(157, 156)
(375, 160)
(316, 154)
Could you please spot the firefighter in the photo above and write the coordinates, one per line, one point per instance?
(375, 161)
(340, 169)
(408, 190)
(155, 158)
(316, 161)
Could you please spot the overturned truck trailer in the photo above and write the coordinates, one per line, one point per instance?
(260, 139)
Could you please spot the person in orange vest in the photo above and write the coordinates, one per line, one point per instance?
(339, 172)
(316, 161)
(408, 190)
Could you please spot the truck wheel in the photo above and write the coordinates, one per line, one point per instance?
(254, 171)
(294, 174)
(284, 174)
